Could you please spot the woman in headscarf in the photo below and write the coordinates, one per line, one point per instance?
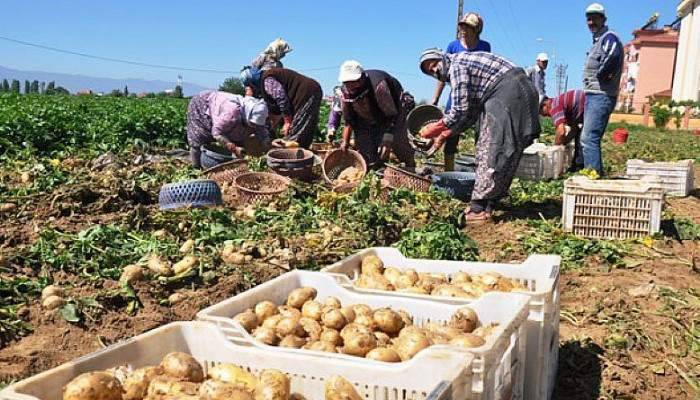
(272, 55)
(234, 121)
(375, 107)
(493, 89)
(288, 93)
(468, 40)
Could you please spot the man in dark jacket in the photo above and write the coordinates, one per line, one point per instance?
(297, 98)
(375, 106)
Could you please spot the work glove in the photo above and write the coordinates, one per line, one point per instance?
(287, 125)
(438, 142)
(433, 130)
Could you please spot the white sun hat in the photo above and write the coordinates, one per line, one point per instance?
(595, 8)
(351, 70)
(542, 57)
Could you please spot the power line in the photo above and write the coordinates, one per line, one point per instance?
(138, 63)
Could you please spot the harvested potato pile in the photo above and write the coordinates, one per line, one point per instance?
(305, 322)
(180, 376)
(349, 175)
(375, 276)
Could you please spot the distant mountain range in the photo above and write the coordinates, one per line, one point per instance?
(75, 83)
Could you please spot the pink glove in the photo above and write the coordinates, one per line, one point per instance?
(432, 130)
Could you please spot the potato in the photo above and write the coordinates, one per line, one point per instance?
(158, 266)
(504, 285)
(361, 309)
(468, 341)
(388, 321)
(272, 321)
(410, 330)
(289, 326)
(405, 317)
(93, 386)
(215, 390)
(182, 366)
(489, 279)
(408, 345)
(354, 328)
(366, 320)
(136, 384)
(414, 290)
(274, 385)
(447, 332)
(448, 291)
(383, 340)
(412, 275)
(321, 346)
(472, 289)
(359, 344)
(372, 265)
(187, 246)
(312, 309)
(131, 273)
(264, 310)
(465, 319)
(333, 319)
(248, 320)
(292, 342)
(266, 335)
(312, 329)
(234, 375)
(485, 330)
(52, 302)
(177, 298)
(436, 338)
(404, 282)
(51, 290)
(348, 313)
(299, 296)
(460, 277)
(184, 265)
(337, 388)
(332, 302)
(392, 274)
(287, 311)
(332, 336)
(384, 354)
(169, 386)
(374, 282)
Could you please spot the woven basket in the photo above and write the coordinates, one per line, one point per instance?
(398, 177)
(227, 172)
(260, 186)
(322, 149)
(337, 161)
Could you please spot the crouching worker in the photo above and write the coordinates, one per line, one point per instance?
(567, 112)
(237, 123)
(375, 107)
(493, 89)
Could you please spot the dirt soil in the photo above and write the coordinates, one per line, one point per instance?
(596, 302)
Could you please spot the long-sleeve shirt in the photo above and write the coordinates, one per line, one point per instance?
(471, 75)
(335, 114)
(274, 89)
(568, 108)
(537, 76)
(612, 54)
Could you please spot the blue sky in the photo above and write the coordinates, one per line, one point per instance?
(225, 35)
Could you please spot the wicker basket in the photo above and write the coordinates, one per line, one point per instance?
(225, 173)
(322, 149)
(398, 177)
(260, 186)
(337, 161)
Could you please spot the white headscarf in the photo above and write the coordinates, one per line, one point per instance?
(254, 111)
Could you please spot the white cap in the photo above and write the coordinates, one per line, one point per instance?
(542, 57)
(595, 8)
(351, 70)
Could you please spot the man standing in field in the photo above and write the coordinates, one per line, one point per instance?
(601, 82)
(567, 112)
(537, 75)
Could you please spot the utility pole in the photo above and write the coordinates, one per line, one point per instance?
(561, 78)
(460, 12)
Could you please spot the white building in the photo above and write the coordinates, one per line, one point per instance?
(686, 81)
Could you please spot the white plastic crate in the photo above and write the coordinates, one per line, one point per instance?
(497, 368)
(677, 178)
(541, 162)
(206, 343)
(538, 273)
(612, 209)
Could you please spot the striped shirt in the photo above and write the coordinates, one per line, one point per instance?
(568, 108)
(471, 75)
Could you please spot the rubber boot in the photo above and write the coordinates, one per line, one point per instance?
(449, 162)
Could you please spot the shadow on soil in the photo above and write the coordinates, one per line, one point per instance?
(531, 210)
(580, 371)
